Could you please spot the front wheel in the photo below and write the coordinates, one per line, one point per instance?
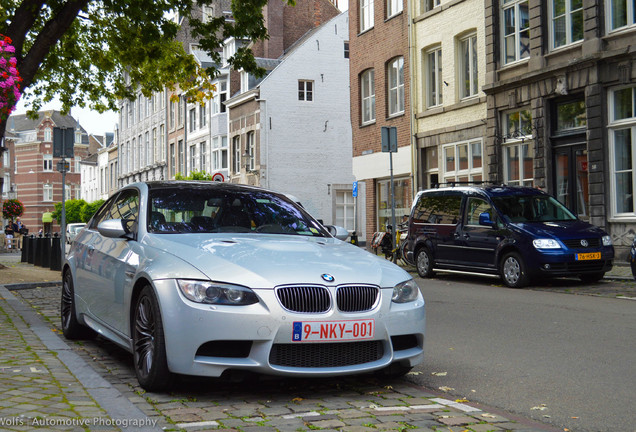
(424, 263)
(513, 270)
(71, 327)
(151, 364)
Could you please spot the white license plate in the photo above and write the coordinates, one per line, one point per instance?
(327, 331)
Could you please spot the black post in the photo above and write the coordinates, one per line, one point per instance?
(33, 249)
(46, 251)
(26, 241)
(39, 245)
(56, 254)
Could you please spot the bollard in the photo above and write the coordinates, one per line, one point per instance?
(45, 251)
(26, 241)
(56, 253)
(32, 249)
(39, 244)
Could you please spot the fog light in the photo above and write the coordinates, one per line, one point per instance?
(546, 266)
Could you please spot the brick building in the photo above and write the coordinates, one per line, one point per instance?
(380, 89)
(561, 94)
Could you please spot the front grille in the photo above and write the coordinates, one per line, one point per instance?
(323, 355)
(356, 298)
(576, 267)
(304, 299)
(576, 243)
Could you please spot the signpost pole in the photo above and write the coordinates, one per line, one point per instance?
(389, 145)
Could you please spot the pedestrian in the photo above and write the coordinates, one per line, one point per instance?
(8, 231)
(18, 231)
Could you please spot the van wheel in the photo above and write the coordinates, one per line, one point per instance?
(424, 263)
(591, 278)
(513, 270)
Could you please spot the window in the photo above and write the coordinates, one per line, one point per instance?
(236, 154)
(204, 156)
(173, 114)
(516, 30)
(218, 103)
(147, 150)
(140, 153)
(393, 7)
(173, 162)
(193, 158)
(345, 209)
(567, 22)
(570, 117)
(153, 150)
(6, 159)
(78, 137)
(78, 164)
(48, 162)
(621, 13)
(366, 15)
(193, 119)
(346, 49)
(435, 208)
(396, 86)
(622, 138)
(305, 90)
(180, 112)
(367, 95)
(47, 192)
(475, 207)
(181, 156)
(48, 134)
(219, 153)
(7, 186)
(159, 155)
(402, 201)
(463, 161)
(251, 152)
(468, 72)
(202, 116)
(427, 5)
(433, 84)
(518, 149)
(517, 125)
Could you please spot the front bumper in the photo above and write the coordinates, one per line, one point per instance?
(207, 340)
(565, 263)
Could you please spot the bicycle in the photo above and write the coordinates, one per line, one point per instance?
(383, 240)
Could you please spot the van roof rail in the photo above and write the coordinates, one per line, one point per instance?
(467, 183)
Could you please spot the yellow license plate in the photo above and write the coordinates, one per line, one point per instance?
(588, 256)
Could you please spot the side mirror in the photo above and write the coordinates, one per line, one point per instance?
(338, 232)
(484, 219)
(112, 228)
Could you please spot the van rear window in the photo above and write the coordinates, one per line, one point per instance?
(437, 209)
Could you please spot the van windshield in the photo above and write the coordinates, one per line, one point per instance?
(532, 208)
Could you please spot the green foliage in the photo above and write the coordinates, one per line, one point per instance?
(194, 175)
(77, 210)
(92, 53)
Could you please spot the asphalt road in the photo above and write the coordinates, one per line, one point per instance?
(566, 360)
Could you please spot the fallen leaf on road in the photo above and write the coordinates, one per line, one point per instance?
(541, 407)
(486, 415)
(439, 373)
(297, 399)
(446, 389)
(415, 373)
(461, 400)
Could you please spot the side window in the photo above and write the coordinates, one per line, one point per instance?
(125, 206)
(101, 214)
(474, 208)
(438, 209)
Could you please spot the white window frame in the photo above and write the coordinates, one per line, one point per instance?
(305, 90)
(468, 68)
(630, 19)
(202, 115)
(395, 84)
(366, 15)
(520, 139)
(567, 18)
(203, 159)
(345, 212)
(433, 80)
(47, 192)
(367, 96)
(251, 151)
(471, 172)
(236, 154)
(192, 114)
(47, 162)
(78, 164)
(393, 7)
(428, 5)
(516, 35)
(193, 158)
(48, 134)
(615, 125)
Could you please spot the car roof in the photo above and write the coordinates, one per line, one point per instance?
(199, 184)
(491, 190)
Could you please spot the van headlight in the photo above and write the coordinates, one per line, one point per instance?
(216, 293)
(607, 240)
(405, 292)
(546, 244)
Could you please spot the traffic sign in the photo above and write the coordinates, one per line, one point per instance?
(355, 189)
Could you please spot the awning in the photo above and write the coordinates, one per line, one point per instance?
(47, 217)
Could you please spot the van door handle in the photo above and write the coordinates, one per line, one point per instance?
(466, 236)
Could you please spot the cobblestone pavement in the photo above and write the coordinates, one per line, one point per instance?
(110, 397)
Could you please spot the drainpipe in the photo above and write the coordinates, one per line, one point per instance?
(412, 56)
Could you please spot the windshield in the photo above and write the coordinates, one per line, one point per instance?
(211, 210)
(532, 208)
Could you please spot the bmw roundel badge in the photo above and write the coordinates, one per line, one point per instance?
(327, 277)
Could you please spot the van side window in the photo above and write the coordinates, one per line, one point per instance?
(437, 209)
(474, 208)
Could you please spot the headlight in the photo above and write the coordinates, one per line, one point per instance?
(216, 293)
(405, 292)
(607, 240)
(546, 244)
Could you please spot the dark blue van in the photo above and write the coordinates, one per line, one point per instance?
(519, 233)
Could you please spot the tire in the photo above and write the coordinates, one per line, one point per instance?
(394, 370)
(149, 347)
(424, 263)
(71, 327)
(513, 270)
(593, 277)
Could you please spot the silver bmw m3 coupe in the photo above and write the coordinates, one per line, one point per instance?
(202, 278)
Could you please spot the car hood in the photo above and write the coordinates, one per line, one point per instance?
(269, 260)
(561, 230)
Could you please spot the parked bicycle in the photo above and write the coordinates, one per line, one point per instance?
(382, 240)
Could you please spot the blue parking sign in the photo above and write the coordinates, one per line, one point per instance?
(355, 189)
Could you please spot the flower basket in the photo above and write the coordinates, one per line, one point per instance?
(9, 78)
(12, 208)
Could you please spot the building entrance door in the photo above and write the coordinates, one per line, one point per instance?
(571, 178)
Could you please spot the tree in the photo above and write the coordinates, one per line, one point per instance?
(91, 53)
(73, 211)
(87, 212)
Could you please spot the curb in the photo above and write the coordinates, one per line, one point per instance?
(116, 405)
(30, 285)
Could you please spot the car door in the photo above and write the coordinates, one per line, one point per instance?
(112, 263)
(479, 241)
